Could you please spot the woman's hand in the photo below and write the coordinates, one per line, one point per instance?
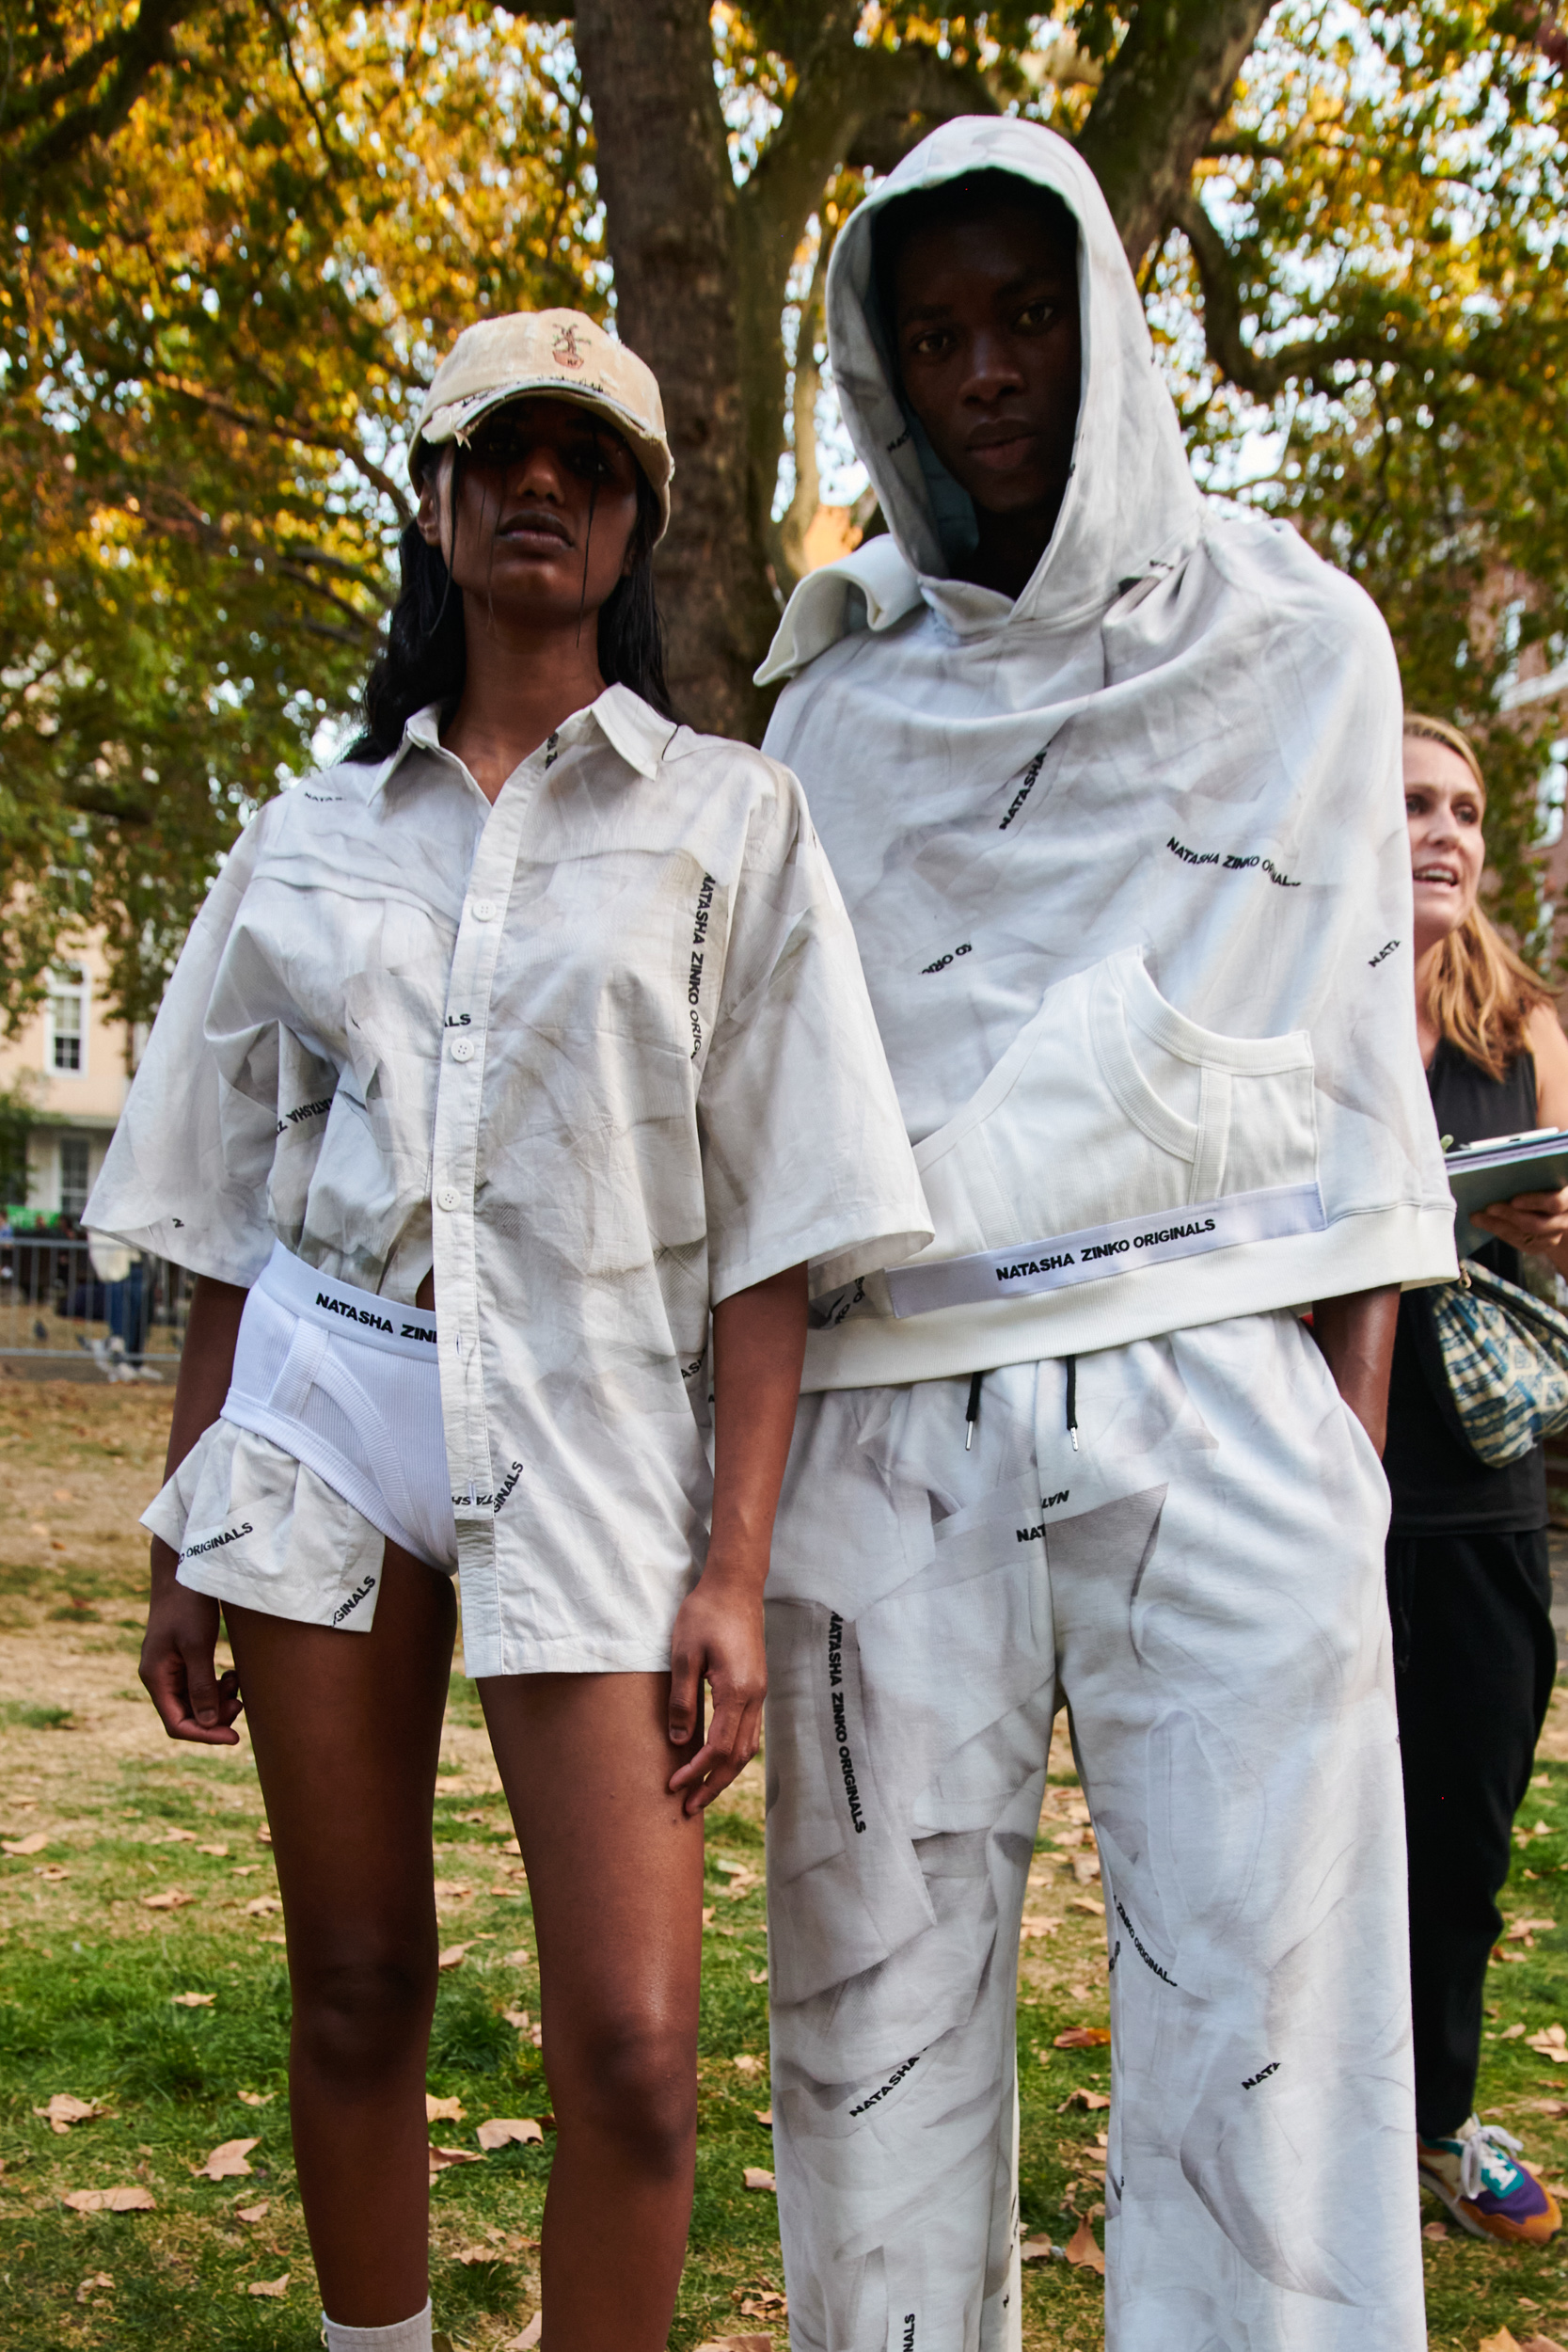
(718, 1639)
(179, 1660)
(1535, 1222)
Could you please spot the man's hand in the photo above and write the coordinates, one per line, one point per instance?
(718, 1639)
(1357, 1336)
(179, 1660)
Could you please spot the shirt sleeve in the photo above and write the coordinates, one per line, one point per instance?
(804, 1154)
(185, 1175)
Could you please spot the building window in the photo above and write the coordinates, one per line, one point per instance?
(67, 1020)
(73, 1174)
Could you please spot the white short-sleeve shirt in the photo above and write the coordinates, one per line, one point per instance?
(601, 1054)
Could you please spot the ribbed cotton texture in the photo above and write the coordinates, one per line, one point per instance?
(404, 2335)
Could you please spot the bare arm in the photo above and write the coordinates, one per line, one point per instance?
(1357, 1336)
(1538, 1221)
(759, 1342)
(178, 1660)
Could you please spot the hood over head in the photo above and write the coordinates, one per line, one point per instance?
(1131, 503)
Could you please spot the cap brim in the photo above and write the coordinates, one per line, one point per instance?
(457, 420)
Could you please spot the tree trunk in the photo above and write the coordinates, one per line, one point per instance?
(670, 202)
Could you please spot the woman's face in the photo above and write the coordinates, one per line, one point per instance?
(1445, 809)
(546, 509)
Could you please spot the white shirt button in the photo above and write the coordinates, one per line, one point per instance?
(485, 910)
(448, 1197)
(462, 1049)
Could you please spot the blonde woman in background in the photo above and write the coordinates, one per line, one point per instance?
(1469, 1589)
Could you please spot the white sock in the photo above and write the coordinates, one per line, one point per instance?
(407, 2335)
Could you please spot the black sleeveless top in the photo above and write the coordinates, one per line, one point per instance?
(1437, 1484)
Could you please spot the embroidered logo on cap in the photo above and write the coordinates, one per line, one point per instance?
(565, 347)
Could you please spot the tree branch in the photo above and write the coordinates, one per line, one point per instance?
(128, 57)
(288, 428)
(1164, 92)
(1263, 374)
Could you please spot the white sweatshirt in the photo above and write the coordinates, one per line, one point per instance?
(1128, 866)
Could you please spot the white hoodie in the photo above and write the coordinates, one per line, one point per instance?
(1128, 866)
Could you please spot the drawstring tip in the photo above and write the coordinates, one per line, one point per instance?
(1072, 1433)
(969, 1435)
(972, 1411)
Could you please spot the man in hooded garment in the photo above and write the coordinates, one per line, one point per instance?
(1111, 783)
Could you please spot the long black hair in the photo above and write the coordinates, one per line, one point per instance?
(426, 654)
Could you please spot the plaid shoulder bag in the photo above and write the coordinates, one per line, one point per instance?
(1505, 1360)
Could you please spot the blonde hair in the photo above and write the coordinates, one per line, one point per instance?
(1480, 994)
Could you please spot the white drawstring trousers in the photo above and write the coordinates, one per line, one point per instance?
(1203, 1583)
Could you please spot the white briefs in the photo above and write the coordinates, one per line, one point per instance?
(330, 1439)
(348, 1383)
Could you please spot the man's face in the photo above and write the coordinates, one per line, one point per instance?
(989, 349)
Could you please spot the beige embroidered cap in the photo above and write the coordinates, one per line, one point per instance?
(562, 353)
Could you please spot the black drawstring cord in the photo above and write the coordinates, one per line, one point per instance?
(1072, 1400)
(972, 1411)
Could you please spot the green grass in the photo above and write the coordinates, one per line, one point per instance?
(88, 1976)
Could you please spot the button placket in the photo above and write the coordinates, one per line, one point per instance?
(458, 1097)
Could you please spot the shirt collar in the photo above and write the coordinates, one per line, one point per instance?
(627, 723)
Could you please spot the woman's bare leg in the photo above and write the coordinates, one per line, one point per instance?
(615, 1873)
(348, 1732)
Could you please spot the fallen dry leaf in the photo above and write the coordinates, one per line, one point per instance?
(193, 2000)
(264, 1835)
(452, 1890)
(511, 1846)
(441, 2158)
(757, 1976)
(443, 2110)
(1435, 2230)
(178, 1837)
(707, 1914)
(455, 1955)
(34, 1844)
(1091, 2099)
(1087, 1902)
(1032, 1929)
(1036, 2250)
(1083, 2038)
(518, 2017)
(89, 2285)
(501, 2130)
(171, 1899)
(257, 2098)
(253, 2213)
(227, 2162)
(469, 2255)
(52, 1875)
(1511, 2033)
(763, 2115)
(1502, 2342)
(521, 1958)
(1549, 2106)
(757, 2178)
(1540, 2344)
(529, 2336)
(260, 1905)
(63, 2111)
(127, 2200)
(220, 1851)
(1082, 2250)
(747, 2064)
(269, 2286)
(733, 2343)
(1517, 1927)
(1550, 2042)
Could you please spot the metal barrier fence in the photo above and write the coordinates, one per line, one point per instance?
(55, 1304)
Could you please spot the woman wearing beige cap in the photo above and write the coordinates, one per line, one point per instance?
(504, 1054)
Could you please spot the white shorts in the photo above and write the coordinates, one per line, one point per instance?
(330, 1439)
